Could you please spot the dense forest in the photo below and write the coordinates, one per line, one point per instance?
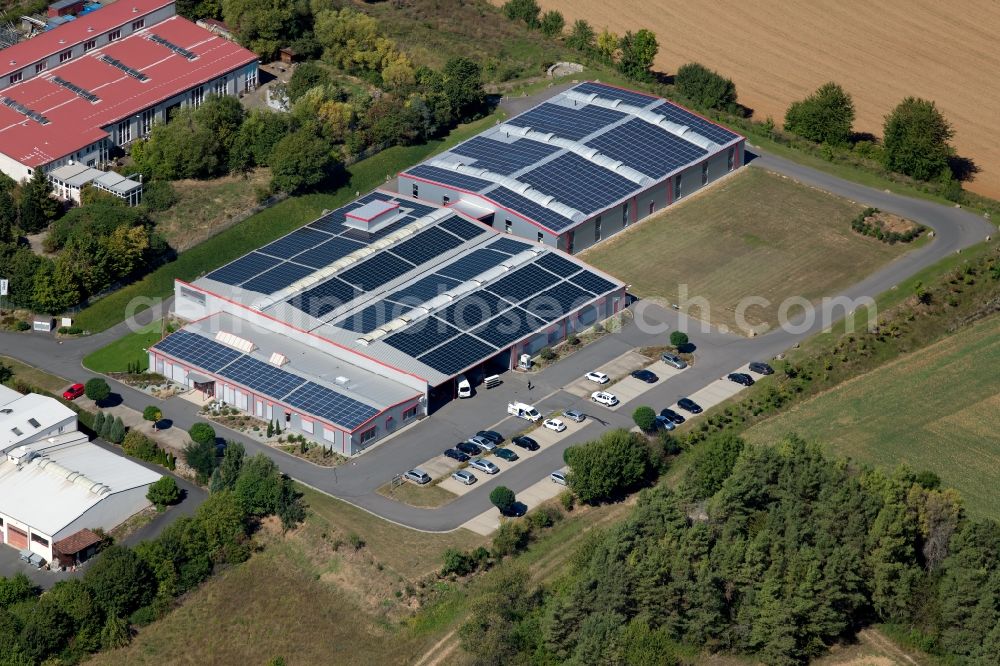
(773, 552)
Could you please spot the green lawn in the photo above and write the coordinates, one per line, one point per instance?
(130, 349)
(755, 234)
(264, 227)
(34, 377)
(934, 409)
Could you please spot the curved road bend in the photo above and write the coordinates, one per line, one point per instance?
(718, 354)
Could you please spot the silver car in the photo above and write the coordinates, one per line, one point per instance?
(574, 415)
(558, 477)
(484, 466)
(418, 476)
(673, 360)
(464, 477)
(484, 443)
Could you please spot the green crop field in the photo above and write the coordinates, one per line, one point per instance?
(935, 409)
(755, 234)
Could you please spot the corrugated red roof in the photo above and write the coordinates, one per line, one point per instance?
(75, 123)
(83, 28)
(76, 542)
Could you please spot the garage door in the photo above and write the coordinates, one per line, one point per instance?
(16, 537)
(180, 375)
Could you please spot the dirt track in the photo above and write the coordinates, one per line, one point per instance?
(880, 52)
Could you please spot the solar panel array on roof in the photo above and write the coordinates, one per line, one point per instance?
(75, 89)
(472, 264)
(523, 282)
(554, 263)
(472, 310)
(299, 240)
(198, 351)
(376, 271)
(462, 228)
(244, 268)
(509, 246)
(554, 303)
(508, 327)
(328, 252)
(707, 129)
(593, 283)
(502, 157)
(327, 404)
(610, 92)
(277, 278)
(546, 217)
(366, 320)
(262, 377)
(426, 245)
(569, 122)
(324, 298)
(423, 289)
(457, 355)
(579, 183)
(651, 150)
(449, 177)
(421, 336)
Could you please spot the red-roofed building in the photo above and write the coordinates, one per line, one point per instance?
(112, 88)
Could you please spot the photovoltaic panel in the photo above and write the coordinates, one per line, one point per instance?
(546, 217)
(507, 328)
(557, 302)
(324, 298)
(523, 282)
(707, 129)
(579, 183)
(200, 352)
(661, 151)
(328, 252)
(457, 355)
(423, 335)
(278, 278)
(509, 246)
(417, 209)
(610, 92)
(371, 273)
(299, 240)
(330, 405)
(449, 177)
(502, 157)
(565, 121)
(462, 228)
(472, 310)
(426, 245)
(244, 268)
(261, 377)
(561, 266)
(423, 289)
(368, 319)
(472, 264)
(332, 222)
(593, 283)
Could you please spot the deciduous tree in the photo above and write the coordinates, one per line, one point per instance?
(826, 116)
(915, 137)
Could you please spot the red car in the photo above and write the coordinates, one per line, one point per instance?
(73, 392)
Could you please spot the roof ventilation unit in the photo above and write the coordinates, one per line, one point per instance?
(278, 359)
(235, 342)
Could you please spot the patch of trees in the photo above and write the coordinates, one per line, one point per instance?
(608, 467)
(705, 88)
(866, 224)
(328, 124)
(795, 552)
(128, 587)
(826, 116)
(915, 140)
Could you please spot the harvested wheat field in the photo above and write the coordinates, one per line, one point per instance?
(880, 52)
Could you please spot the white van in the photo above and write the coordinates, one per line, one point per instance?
(523, 411)
(464, 387)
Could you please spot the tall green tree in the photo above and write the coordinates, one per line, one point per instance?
(582, 37)
(826, 116)
(552, 23)
(462, 83)
(200, 456)
(120, 581)
(262, 26)
(38, 207)
(228, 471)
(602, 469)
(522, 10)
(503, 499)
(300, 161)
(705, 88)
(638, 50)
(8, 216)
(915, 138)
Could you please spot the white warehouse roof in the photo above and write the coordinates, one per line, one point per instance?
(23, 418)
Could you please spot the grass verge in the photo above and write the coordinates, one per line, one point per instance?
(131, 348)
(780, 238)
(262, 228)
(32, 376)
(429, 496)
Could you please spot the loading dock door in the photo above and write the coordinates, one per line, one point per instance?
(16, 537)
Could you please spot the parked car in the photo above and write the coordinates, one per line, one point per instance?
(491, 435)
(418, 476)
(558, 477)
(73, 392)
(554, 424)
(597, 377)
(484, 466)
(761, 368)
(673, 360)
(455, 454)
(516, 510)
(464, 477)
(468, 448)
(505, 454)
(483, 443)
(689, 405)
(646, 376)
(574, 415)
(663, 423)
(604, 398)
(525, 442)
(740, 378)
(676, 418)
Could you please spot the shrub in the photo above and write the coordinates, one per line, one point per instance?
(606, 467)
(679, 339)
(158, 195)
(200, 456)
(552, 23)
(22, 326)
(543, 517)
(826, 116)
(547, 354)
(573, 340)
(503, 498)
(458, 562)
(916, 136)
(163, 493)
(356, 541)
(522, 10)
(97, 389)
(510, 538)
(567, 499)
(152, 413)
(138, 445)
(202, 433)
(98, 426)
(705, 88)
(645, 418)
(116, 431)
